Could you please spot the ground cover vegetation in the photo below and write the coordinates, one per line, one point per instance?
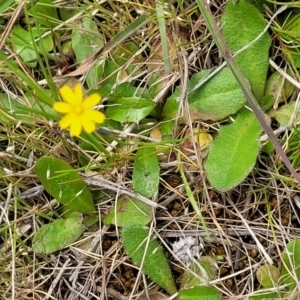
(149, 149)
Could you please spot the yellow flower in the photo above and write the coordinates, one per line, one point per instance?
(79, 112)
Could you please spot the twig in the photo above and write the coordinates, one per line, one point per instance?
(103, 183)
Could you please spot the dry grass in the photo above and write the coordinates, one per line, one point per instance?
(249, 225)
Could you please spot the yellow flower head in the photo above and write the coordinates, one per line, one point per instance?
(79, 112)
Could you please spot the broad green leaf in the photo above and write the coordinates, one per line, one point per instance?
(291, 267)
(124, 53)
(57, 235)
(132, 109)
(112, 70)
(135, 240)
(171, 107)
(241, 23)
(267, 295)
(152, 294)
(206, 269)
(4, 5)
(129, 211)
(279, 88)
(289, 33)
(199, 293)
(12, 109)
(268, 275)
(233, 154)
(218, 98)
(261, 5)
(284, 113)
(44, 13)
(60, 181)
(123, 90)
(145, 177)
(23, 44)
(86, 41)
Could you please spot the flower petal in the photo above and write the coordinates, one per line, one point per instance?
(62, 107)
(88, 125)
(91, 101)
(78, 94)
(94, 115)
(67, 94)
(76, 128)
(66, 121)
(70, 96)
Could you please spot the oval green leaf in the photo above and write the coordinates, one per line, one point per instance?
(254, 61)
(132, 109)
(268, 275)
(155, 265)
(199, 293)
(267, 295)
(206, 269)
(60, 181)
(233, 154)
(128, 211)
(291, 267)
(57, 235)
(22, 40)
(145, 177)
(218, 98)
(86, 41)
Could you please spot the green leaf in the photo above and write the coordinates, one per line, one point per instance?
(44, 13)
(128, 211)
(86, 41)
(284, 113)
(218, 98)
(233, 154)
(132, 109)
(280, 88)
(291, 267)
(4, 5)
(112, 69)
(170, 109)
(254, 61)
(206, 269)
(135, 240)
(199, 293)
(57, 235)
(267, 295)
(268, 275)
(145, 177)
(12, 109)
(23, 44)
(60, 181)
